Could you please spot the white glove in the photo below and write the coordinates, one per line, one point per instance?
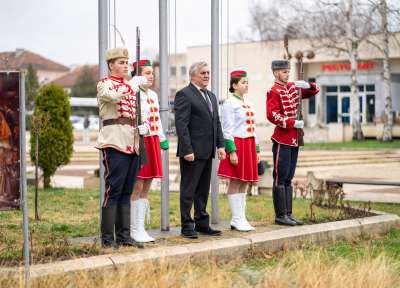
(299, 124)
(143, 129)
(302, 84)
(139, 80)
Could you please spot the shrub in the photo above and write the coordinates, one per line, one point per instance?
(55, 143)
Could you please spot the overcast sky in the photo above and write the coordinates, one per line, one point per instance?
(66, 31)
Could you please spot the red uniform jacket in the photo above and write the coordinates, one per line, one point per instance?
(282, 103)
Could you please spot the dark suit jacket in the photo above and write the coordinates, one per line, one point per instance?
(198, 130)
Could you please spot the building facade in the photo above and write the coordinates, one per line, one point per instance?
(328, 115)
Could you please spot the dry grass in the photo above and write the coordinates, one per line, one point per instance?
(320, 271)
(296, 269)
(184, 274)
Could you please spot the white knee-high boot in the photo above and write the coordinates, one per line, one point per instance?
(243, 210)
(237, 223)
(139, 209)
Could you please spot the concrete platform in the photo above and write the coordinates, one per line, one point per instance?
(222, 249)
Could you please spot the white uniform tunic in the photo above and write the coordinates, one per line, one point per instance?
(238, 120)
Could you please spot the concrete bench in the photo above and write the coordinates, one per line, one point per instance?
(360, 181)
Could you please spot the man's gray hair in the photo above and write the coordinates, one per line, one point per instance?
(195, 67)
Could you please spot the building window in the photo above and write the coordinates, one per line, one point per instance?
(311, 105)
(370, 107)
(331, 109)
(370, 88)
(331, 93)
(338, 103)
(345, 89)
(330, 89)
(172, 71)
(183, 70)
(345, 109)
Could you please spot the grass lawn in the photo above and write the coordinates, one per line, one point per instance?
(363, 262)
(366, 144)
(75, 213)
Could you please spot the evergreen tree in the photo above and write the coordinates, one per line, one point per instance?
(31, 87)
(86, 84)
(56, 142)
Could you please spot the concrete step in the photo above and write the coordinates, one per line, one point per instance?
(303, 161)
(76, 159)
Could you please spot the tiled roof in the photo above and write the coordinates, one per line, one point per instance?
(68, 80)
(20, 59)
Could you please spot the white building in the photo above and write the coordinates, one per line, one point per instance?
(327, 116)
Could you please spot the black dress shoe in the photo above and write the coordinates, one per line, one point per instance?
(208, 231)
(190, 234)
(284, 220)
(108, 244)
(298, 222)
(130, 242)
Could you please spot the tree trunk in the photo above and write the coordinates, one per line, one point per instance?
(354, 102)
(354, 98)
(388, 119)
(36, 176)
(46, 181)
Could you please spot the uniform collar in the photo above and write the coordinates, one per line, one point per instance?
(238, 97)
(280, 84)
(117, 78)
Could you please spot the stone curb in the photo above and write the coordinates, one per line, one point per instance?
(223, 249)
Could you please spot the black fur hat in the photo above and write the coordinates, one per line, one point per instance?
(280, 64)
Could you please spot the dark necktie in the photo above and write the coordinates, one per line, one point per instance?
(207, 98)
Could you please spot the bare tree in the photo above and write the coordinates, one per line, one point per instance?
(352, 43)
(336, 26)
(329, 25)
(268, 22)
(342, 26)
(381, 43)
(388, 122)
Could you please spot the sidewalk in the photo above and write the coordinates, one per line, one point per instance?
(325, 164)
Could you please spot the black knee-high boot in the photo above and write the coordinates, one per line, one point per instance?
(122, 227)
(108, 216)
(289, 199)
(279, 196)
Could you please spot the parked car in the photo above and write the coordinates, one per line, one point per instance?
(77, 122)
(94, 122)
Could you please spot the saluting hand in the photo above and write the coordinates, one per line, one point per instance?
(139, 80)
(302, 84)
(233, 158)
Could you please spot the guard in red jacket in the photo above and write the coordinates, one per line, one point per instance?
(282, 105)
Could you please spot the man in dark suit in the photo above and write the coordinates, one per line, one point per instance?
(199, 136)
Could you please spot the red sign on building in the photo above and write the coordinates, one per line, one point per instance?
(345, 66)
